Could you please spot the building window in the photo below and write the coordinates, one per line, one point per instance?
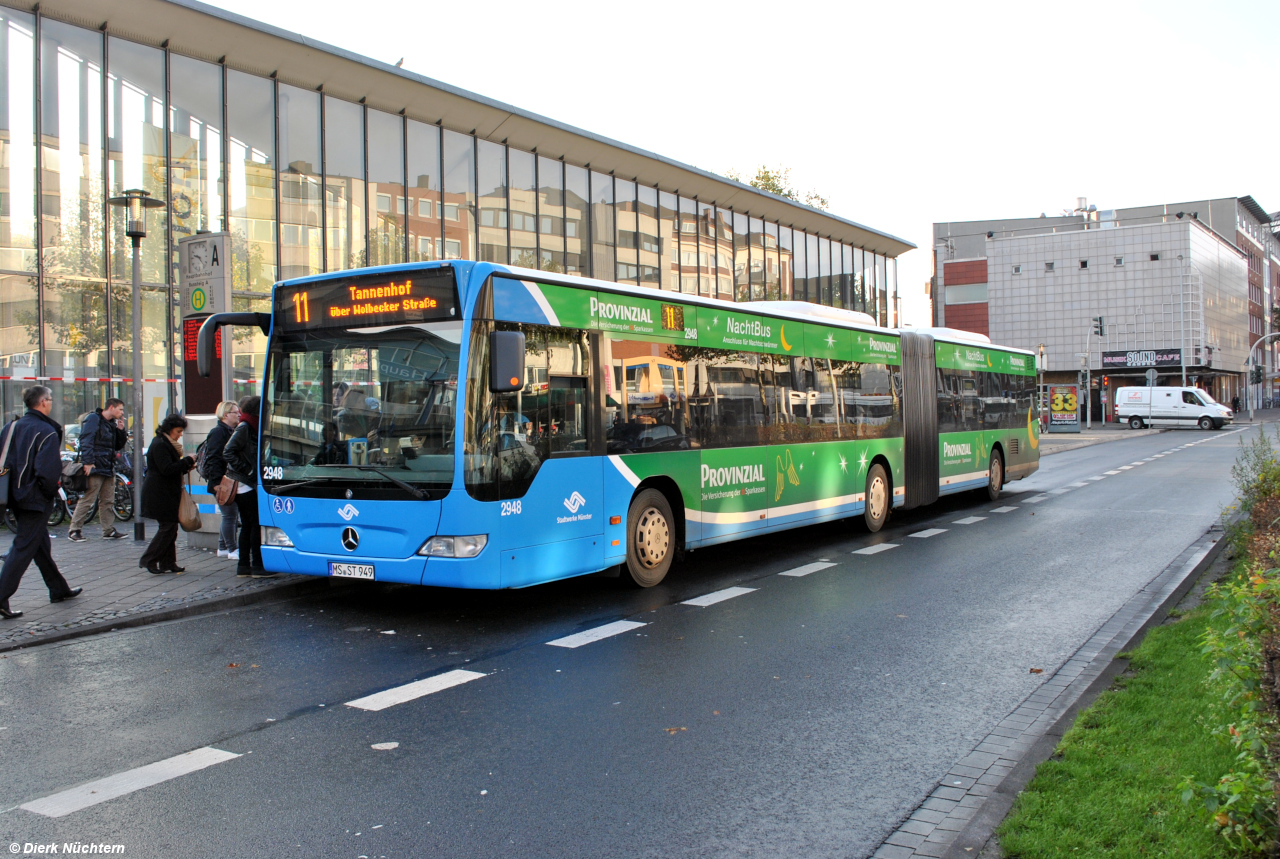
(1017, 269)
(1048, 266)
(384, 202)
(1084, 263)
(1119, 260)
(1155, 257)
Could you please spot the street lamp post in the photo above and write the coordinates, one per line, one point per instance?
(135, 202)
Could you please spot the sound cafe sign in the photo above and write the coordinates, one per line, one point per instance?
(1141, 358)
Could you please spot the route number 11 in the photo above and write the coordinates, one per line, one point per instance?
(301, 310)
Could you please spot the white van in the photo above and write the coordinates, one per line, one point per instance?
(1184, 407)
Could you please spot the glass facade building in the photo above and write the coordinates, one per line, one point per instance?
(307, 182)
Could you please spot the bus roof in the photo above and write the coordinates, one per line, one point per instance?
(800, 311)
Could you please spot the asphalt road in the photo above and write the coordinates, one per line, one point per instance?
(805, 717)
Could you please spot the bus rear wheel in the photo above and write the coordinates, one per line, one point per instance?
(995, 475)
(650, 539)
(876, 506)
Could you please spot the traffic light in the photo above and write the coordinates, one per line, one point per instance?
(1105, 381)
(1099, 326)
(1257, 374)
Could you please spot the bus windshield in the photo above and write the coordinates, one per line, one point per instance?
(362, 405)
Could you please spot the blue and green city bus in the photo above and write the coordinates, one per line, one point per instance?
(482, 426)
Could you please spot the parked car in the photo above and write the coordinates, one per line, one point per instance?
(1167, 406)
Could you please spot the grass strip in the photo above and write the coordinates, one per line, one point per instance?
(1110, 789)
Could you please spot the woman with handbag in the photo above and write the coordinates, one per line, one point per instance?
(241, 454)
(162, 494)
(215, 467)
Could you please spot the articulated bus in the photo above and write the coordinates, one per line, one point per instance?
(481, 426)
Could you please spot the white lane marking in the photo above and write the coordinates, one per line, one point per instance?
(1062, 490)
(411, 691)
(120, 784)
(1126, 468)
(1111, 472)
(1097, 477)
(1078, 485)
(928, 532)
(970, 520)
(1004, 509)
(1158, 456)
(805, 570)
(600, 632)
(1136, 463)
(1037, 499)
(718, 596)
(876, 549)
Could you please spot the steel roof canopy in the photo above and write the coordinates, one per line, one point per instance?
(202, 31)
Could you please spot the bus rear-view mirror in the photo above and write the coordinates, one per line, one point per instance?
(506, 361)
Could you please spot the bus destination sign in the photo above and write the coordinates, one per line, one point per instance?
(416, 296)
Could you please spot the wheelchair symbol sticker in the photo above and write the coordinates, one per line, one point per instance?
(282, 505)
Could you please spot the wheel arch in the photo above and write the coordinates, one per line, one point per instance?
(669, 488)
(883, 461)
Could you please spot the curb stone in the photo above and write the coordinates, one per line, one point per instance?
(996, 771)
(188, 608)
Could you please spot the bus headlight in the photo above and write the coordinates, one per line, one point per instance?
(454, 547)
(275, 537)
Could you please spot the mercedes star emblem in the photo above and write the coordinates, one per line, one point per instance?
(350, 539)
(349, 493)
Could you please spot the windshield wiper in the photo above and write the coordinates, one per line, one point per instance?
(412, 490)
(290, 486)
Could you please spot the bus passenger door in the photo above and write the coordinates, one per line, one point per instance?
(554, 529)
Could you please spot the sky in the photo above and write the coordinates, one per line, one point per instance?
(901, 114)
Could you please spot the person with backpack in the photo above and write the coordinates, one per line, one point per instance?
(241, 454)
(212, 465)
(102, 435)
(35, 468)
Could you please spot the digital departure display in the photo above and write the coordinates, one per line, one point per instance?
(368, 301)
(673, 317)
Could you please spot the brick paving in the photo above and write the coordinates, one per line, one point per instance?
(965, 792)
(115, 587)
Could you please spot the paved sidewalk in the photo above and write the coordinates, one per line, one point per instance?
(1100, 433)
(118, 592)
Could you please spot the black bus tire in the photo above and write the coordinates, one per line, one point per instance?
(651, 540)
(878, 498)
(995, 475)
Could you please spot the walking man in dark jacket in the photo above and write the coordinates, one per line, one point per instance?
(101, 436)
(35, 468)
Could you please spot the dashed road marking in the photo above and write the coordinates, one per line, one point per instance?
(805, 570)
(1097, 477)
(1078, 485)
(1113, 472)
(928, 532)
(970, 520)
(412, 691)
(86, 795)
(1037, 499)
(1004, 509)
(600, 632)
(876, 549)
(1134, 464)
(1062, 490)
(1126, 468)
(718, 596)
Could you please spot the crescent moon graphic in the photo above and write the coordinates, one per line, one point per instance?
(1032, 436)
(782, 335)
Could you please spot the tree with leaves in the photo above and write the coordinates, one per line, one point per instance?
(778, 181)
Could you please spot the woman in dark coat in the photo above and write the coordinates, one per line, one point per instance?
(241, 454)
(161, 493)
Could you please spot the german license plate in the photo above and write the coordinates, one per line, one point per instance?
(351, 571)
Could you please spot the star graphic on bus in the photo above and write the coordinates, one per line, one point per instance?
(862, 462)
(831, 341)
(844, 465)
(957, 355)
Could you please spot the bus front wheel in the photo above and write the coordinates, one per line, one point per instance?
(650, 539)
(876, 506)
